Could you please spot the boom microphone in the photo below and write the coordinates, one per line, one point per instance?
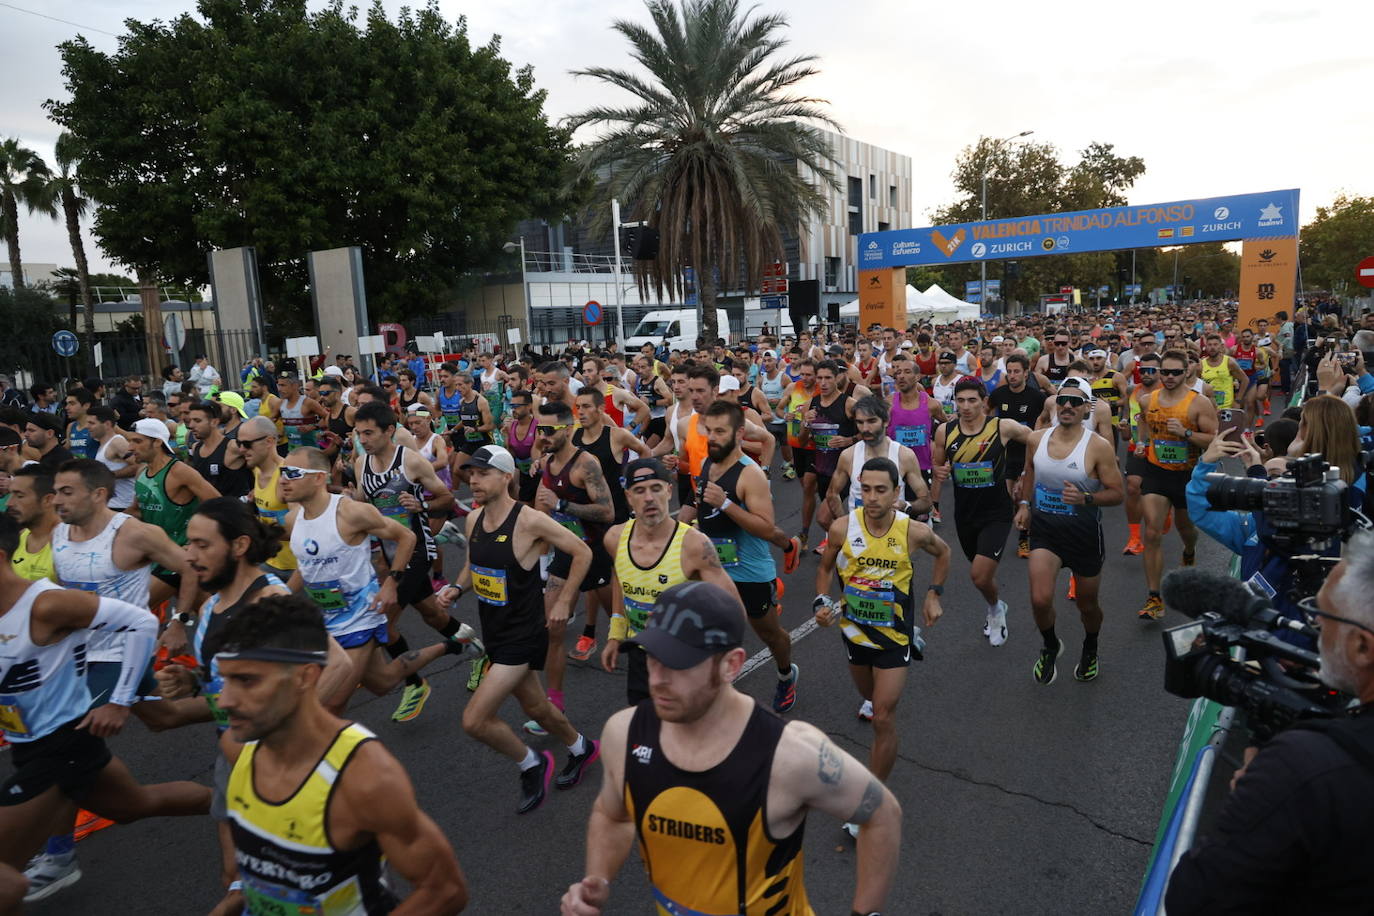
(1196, 592)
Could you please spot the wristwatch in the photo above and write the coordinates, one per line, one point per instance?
(396, 574)
(183, 618)
(939, 590)
(1087, 499)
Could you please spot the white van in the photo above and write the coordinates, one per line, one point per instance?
(674, 328)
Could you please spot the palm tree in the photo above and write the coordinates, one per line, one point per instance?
(65, 187)
(713, 152)
(23, 179)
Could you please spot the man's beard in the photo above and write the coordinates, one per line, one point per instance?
(222, 577)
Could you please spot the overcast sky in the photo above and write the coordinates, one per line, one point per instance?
(1218, 97)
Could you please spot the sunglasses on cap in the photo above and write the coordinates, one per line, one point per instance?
(291, 472)
(550, 430)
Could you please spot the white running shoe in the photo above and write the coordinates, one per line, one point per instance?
(49, 874)
(996, 628)
(866, 711)
(852, 830)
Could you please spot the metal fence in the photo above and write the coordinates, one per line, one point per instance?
(123, 354)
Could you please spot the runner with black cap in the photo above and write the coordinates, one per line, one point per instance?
(506, 538)
(716, 788)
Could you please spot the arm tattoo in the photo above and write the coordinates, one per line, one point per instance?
(709, 557)
(410, 656)
(600, 509)
(831, 764)
(872, 800)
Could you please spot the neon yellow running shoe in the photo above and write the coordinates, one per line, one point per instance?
(477, 672)
(412, 702)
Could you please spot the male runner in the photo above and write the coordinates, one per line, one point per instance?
(43, 434)
(1017, 399)
(873, 547)
(790, 408)
(1055, 364)
(475, 423)
(257, 441)
(317, 806)
(31, 505)
(214, 456)
(830, 419)
(110, 448)
(704, 772)
(1222, 372)
(1147, 368)
(1175, 424)
(300, 417)
(57, 734)
(1108, 386)
(972, 449)
(166, 493)
(505, 542)
(77, 402)
(1254, 362)
(1071, 472)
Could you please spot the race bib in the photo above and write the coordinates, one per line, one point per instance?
(912, 436)
(974, 474)
(389, 504)
(869, 602)
(822, 433)
(637, 613)
(12, 720)
(264, 899)
(571, 522)
(1171, 451)
(472, 434)
(727, 549)
(1052, 501)
(794, 428)
(490, 585)
(328, 595)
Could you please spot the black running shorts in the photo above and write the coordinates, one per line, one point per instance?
(1173, 484)
(983, 536)
(759, 598)
(867, 657)
(686, 496)
(69, 758)
(526, 652)
(1076, 541)
(598, 574)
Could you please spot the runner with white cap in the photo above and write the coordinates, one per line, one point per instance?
(166, 494)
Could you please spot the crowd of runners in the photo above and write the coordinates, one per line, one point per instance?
(239, 563)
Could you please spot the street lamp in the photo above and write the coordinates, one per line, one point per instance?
(512, 247)
(983, 265)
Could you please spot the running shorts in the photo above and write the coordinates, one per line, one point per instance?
(1077, 542)
(686, 496)
(868, 657)
(598, 574)
(1173, 484)
(983, 536)
(101, 678)
(759, 598)
(363, 637)
(70, 758)
(525, 652)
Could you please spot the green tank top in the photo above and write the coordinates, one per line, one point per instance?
(157, 508)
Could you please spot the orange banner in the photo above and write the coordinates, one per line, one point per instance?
(1268, 279)
(882, 298)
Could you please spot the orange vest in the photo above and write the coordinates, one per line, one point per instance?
(695, 445)
(1167, 451)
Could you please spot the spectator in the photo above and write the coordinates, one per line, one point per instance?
(206, 377)
(128, 401)
(1328, 428)
(44, 398)
(172, 377)
(9, 395)
(96, 387)
(43, 434)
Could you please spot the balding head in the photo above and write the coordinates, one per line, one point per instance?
(257, 426)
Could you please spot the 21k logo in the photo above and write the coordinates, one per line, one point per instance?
(948, 245)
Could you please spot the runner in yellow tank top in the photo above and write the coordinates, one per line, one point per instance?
(31, 505)
(1222, 372)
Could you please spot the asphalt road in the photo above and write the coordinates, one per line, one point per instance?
(1017, 798)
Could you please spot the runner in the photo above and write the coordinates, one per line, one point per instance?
(873, 547)
(519, 435)
(257, 441)
(913, 417)
(1147, 367)
(77, 402)
(408, 394)
(449, 398)
(1222, 372)
(110, 448)
(871, 421)
(1054, 365)
(790, 407)
(1108, 387)
(772, 381)
(735, 510)
(653, 552)
(655, 393)
(505, 541)
(830, 419)
(972, 449)
(617, 402)
(340, 425)
(59, 754)
(704, 773)
(317, 806)
(214, 456)
(166, 494)
(1071, 473)
(1253, 360)
(1020, 400)
(1177, 422)
(31, 505)
(475, 425)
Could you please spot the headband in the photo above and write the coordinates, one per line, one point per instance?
(274, 654)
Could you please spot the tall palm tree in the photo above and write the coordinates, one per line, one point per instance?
(65, 187)
(714, 151)
(23, 180)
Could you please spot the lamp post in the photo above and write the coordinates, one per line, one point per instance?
(983, 264)
(525, 288)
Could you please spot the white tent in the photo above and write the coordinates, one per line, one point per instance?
(967, 311)
(918, 305)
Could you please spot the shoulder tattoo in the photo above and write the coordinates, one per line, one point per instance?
(872, 800)
(830, 765)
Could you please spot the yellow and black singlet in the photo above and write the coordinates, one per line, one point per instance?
(1104, 389)
(876, 573)
(640, 586)
(704, 836)
(286, 860)
(977, 468)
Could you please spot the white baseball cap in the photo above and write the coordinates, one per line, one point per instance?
(153, 428)
(728, 383)
(333, 370)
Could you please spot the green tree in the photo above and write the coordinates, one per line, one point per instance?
(262, 123)
(713, 151)
(1205, 266)
(23, 180)
(65, 189)
(1338, 239)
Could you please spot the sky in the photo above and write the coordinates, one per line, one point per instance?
(1218, 97)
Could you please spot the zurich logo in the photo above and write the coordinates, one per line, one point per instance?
(978, 250)
(312, 546)
(1221, 213)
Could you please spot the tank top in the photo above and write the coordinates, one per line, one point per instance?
(1248, 360)
(339, 426)
(286, 860)
(746, 558)
(613, 411)
(1105, 389)
(861, 456)
(1170, 452)
(42, 688)
(978, 468)
(404, 403)
(487, 378)
(703, 835)
(383, 489)
(522, 447)
(943, 392)
(926, 365)
(646, 389)
(1219, 377)
(876, 573)
(772, 390)
(210, 623)
(641, 585)
(80, 442)
(911, 427)
(470, 417)
(265, 410)
(89, 566)
(795, 415)
(36, 565)
(449, 405)
(158, 508)
(696, 446)
(299, 429)
(337, 576)
(610, 467)
(1052, 473)
(231, 482)
(562, 486)
(271, 508)
(510, 598)
(831, 421)
(1055, 372)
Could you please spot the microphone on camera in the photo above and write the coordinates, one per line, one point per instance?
(1195, 592)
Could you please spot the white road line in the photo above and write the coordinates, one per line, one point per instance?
(763, 655)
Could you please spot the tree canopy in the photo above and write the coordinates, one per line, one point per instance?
(1332, 244)
(261, 123)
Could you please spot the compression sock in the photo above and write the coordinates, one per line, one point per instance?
(450, 629)
(398, 647)
(589, 631)
(1090, 643)
(556, 698)
(1051, 640)
(1135, 530)
(531, 760)
(578, 747)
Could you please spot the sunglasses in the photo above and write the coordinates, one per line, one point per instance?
(550, 430)
(1171, 372)
(290, 472)
(1144, 371)
(1061, 343)
(249, 443)
(1314, 615)
(1069, 400)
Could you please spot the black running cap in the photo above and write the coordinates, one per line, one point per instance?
(642, 469)
(691, 622)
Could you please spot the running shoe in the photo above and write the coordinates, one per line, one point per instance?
(852, 830)
(451, 533)
(1266, 407)
(577, 765)
(534, 783)
(1073, 586)
(785, 696)
(820, 548)
(49, 874)
(935, 518)
(412, 701)
(1189, 558)
(918, 645)
(462, 507)
(438, 583)
(532, 727)
(87, 823)
(1153, 609)
(1259, 422)
(1134, 548)
(586, 645)
(789, 472)
(479, 671)
(1023, 546)
(1044, 670)
(866, 711)
(803, 539)
(465, 643)
(1086, 669)
(996, 628)
(791, 557)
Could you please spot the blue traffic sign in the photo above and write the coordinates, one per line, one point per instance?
(591, 312)
(773, 302)
(65, 343)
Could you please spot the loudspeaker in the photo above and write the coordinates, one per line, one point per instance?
(832, 313)
(639, 242)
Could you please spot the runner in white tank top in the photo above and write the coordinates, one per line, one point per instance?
(90, 567)
(338, 576)
(123, 495)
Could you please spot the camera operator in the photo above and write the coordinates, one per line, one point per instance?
(1296, 833)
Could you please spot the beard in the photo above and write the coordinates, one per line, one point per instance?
(719, 453)
(221, 577)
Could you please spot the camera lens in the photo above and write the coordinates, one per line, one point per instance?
(1245, 494)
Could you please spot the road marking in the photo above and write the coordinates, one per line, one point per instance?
(797, 635)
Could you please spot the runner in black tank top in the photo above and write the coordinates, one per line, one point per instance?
(1056, 373)
(593, 533)
(231, 482)
(510, 598)
(610, 467)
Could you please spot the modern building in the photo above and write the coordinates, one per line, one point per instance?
(33, 274)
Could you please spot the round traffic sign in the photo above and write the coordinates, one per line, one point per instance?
(65, 343)
(591, 312)
(1364, 272)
